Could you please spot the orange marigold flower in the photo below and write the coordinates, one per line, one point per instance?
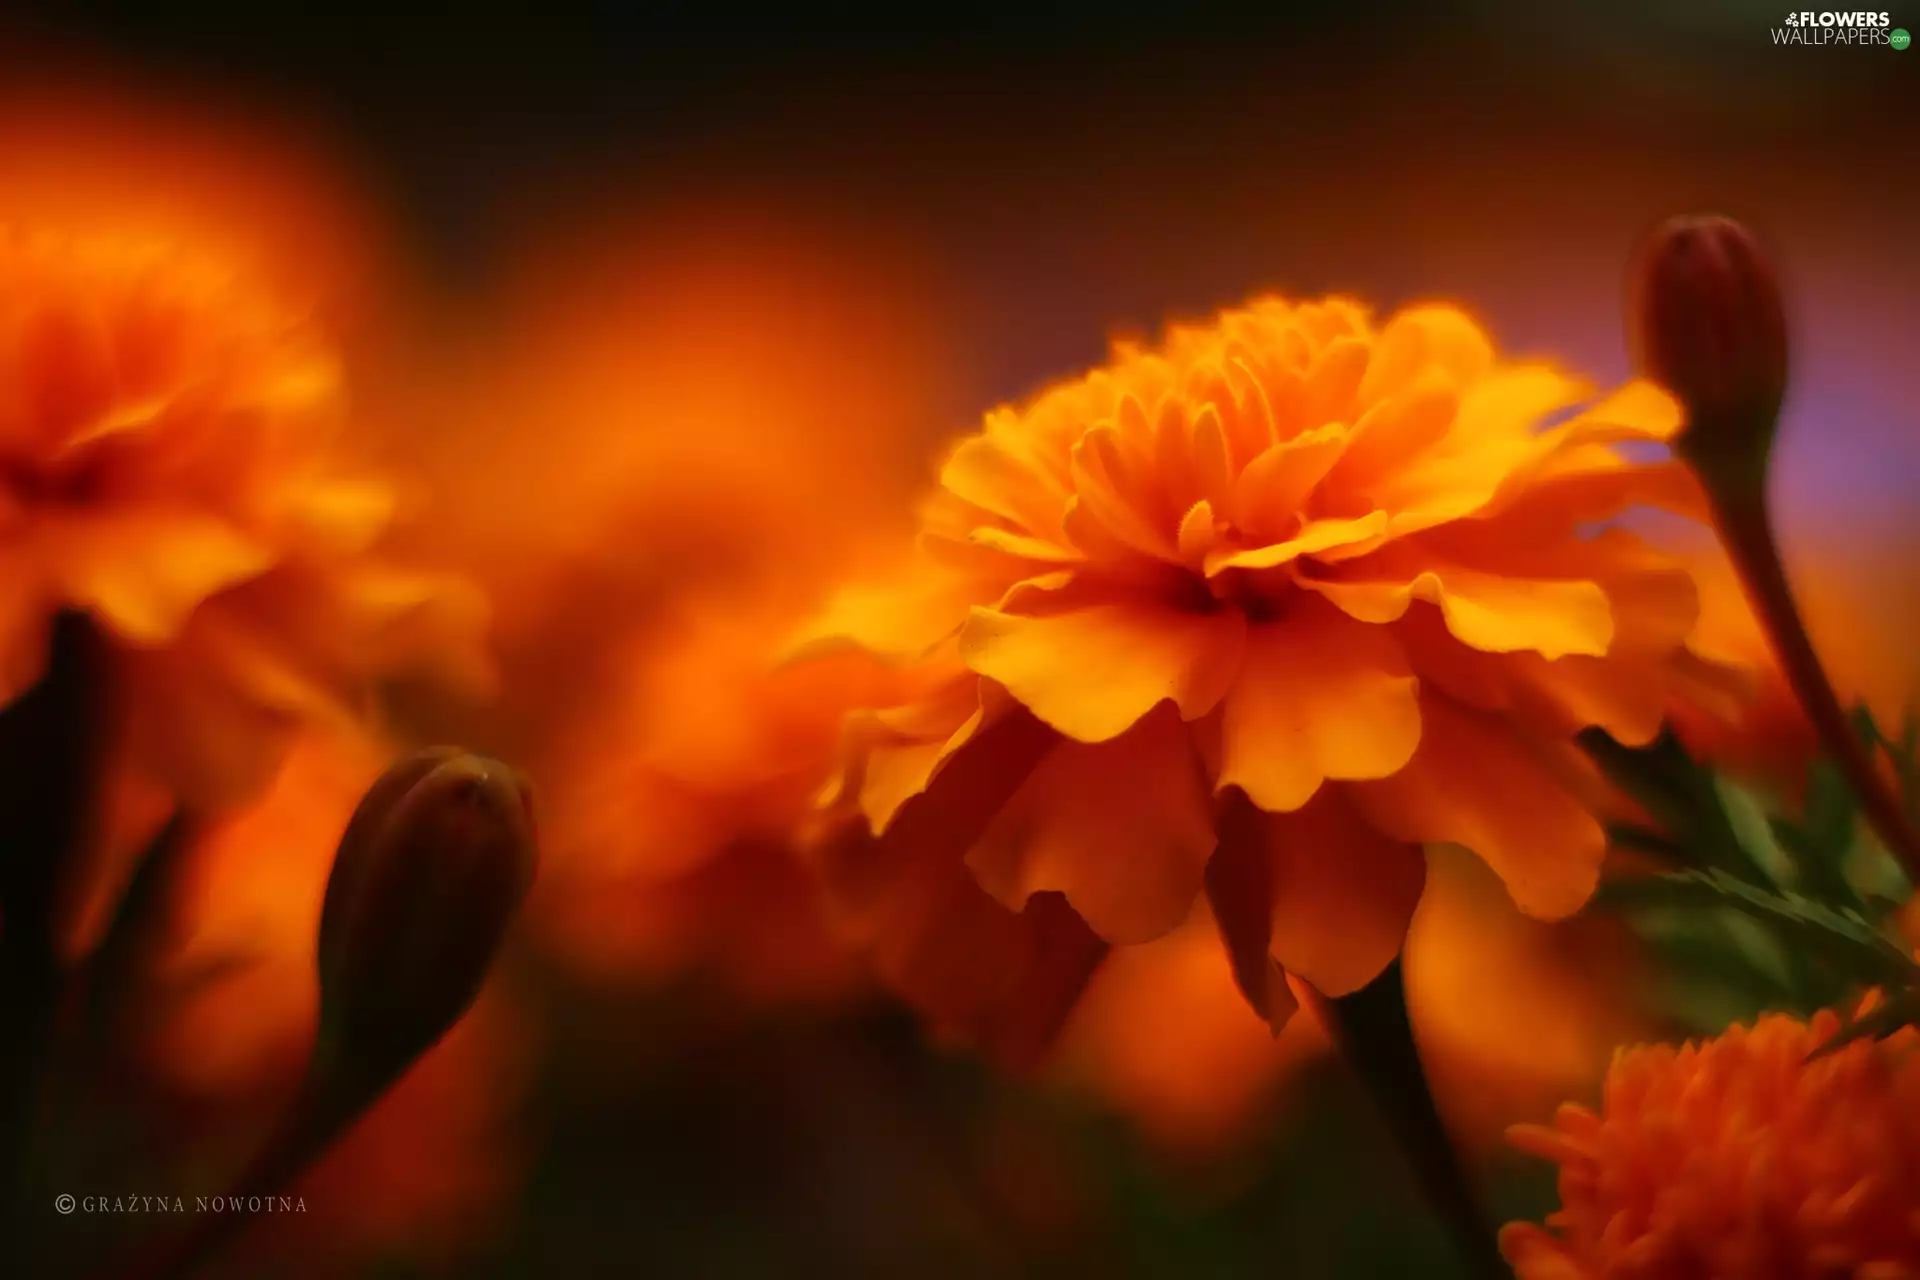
(1293, 586)
(1739, 1156)
(676, 797)
(168, 464)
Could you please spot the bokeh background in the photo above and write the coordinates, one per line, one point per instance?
(656, 306)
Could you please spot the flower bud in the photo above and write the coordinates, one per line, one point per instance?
(1710, 327)
(433, 865)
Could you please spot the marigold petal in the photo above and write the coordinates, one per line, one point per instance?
(1535, 1255)
(1024, 547)
(1111, 495)
(1123, 828)
(1640, 410)
(214, 741)
(1319, 697)
(988, 471)
(1332, 386)
(1056, 965)
(1004, 980)
(1092, 670)
(1393, 432)
(1343, 893)
(1490, 611)
(344, 518)
(65, 372)
(1197, 532)
(894, 622)
(1476, 782)
(143, 570)
(1239, 884)
(1508, 402)
(1272, 489)
(899, 749)
(1315, 537)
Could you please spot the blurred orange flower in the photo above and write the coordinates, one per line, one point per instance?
(169, 464)
(1738, 1156)
(674, 806)
(667, 436)
(235, 1002)
(1176, 599)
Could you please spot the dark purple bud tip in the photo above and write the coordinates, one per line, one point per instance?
(434, 865)
(1708, 324)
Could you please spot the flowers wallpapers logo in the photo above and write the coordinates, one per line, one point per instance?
(1116, 648)
(1828, 27)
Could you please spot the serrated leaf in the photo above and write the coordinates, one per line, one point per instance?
(1822, 841)
(1880, 882)
(1656, 775)
(1844, 938)
(1679, 794)
(1748, 822)
(1829, 814)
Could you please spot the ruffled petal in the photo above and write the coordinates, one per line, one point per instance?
(1240, 893)
(1343, 893)
(1319, 697)
(143, 570)
(1476, 782)
(1123, 828)
(1491, 611)
(1092, 669)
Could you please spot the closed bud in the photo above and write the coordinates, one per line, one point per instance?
(430, 873)
(1709, 326)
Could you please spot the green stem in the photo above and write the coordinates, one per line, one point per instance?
(1375, 1035)
(1746, 530)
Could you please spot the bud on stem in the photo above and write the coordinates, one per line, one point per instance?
(433, 866)
(1709, 325)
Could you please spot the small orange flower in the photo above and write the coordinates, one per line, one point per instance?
(1291, 587)
(1738, 1156)
(168, 444)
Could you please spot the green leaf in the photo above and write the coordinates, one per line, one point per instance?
(1680, 795)
(1748, 823)
(1842, 937)
(1657, 775)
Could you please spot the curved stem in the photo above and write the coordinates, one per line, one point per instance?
(1746, 530)
(1375, 1035)
(320, 1114)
